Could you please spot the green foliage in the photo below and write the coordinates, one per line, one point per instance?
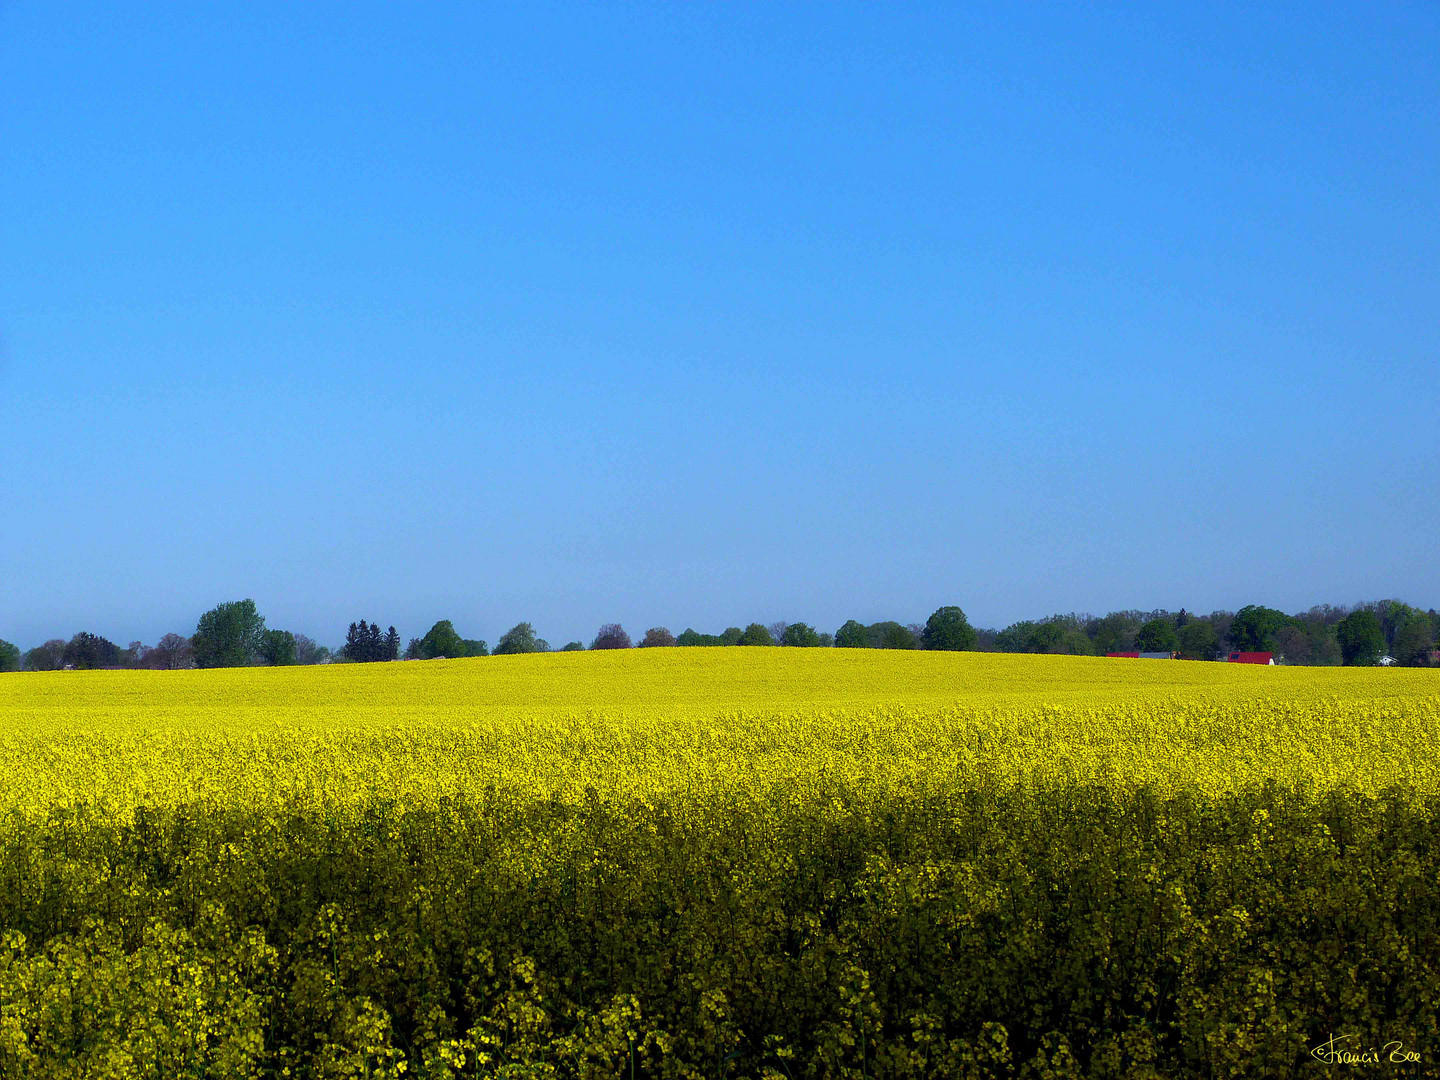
(755, 634)
(574, 646)
(1059, 634)
(9, 656)
(1115, 633)
(1068, 931)
(1361, 639)
(47, 657)
(441, 640)
(890, 635)
(1197, 640)
(1254, 628)
(692, 638)
(228, 635)
(657, 637)
(947, 628)
(1413, 640)
(852, 636)
(1157, 635)
(800, 635)
(520, 638)
(277, 648)
(87, 651)
(474, 647)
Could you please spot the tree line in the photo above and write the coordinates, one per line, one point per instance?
(235, 635)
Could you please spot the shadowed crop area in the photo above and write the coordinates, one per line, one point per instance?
(729, 862)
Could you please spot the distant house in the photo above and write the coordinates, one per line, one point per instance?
(1144, 655)
(1131, 655)
(1251, 658)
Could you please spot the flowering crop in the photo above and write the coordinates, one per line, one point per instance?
(714, 862)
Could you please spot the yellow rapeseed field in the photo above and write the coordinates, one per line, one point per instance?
(717, 864)
(629, 726)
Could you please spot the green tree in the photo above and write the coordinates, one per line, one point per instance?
(1197, 640)
(889, 635)
(1361, 639)
(442, 641)
(1114, 633)
(756, 634)
(574, 646)
(1254, 628)
(947, 628)
(228, 635)
(9, 656)
(731, 635)
(482, 648)
(520, 638)
(656, 637)
(47, 657)
(277, 648)
(1413, 641)
(852, 636)
(800, 635)
(87, 651)
(1157, 635)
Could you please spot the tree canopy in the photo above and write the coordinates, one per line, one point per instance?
(1361, 639)
(228, 635)
(612, 636)
(947, 628)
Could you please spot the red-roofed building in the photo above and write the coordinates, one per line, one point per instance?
(1131, 655)
(1251, 658)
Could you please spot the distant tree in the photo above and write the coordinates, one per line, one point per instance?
(520, 638)
(390, 647)
(800, 635)
(1181, 618)
(307, 652)
(611, 636)
(415, 650)
(756, 634)
(1413, 640)
(1157, 635)
(777, 632)
(889, 635)
(1196, 640)
(657, 636)
(827, 641)
(1221, 621)
(731, 635)
(47, 657)
(228, 635)
(171, 653)
(690, 637)
(133, 655)
(278, 648)
(574, 646)
(9, 656)
(1254, 628)
(948, 629)
(1361, 639)
(482, 648)
(442, 641)
(357, 642)
(87, 651)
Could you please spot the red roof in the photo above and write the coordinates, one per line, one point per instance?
(1251, 657)
(1132, 655)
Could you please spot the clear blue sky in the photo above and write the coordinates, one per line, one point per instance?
(699, 315)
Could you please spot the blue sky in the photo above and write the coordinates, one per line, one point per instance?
(700, 315)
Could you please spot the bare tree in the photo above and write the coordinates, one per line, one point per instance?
(656, 636)
(611, 636)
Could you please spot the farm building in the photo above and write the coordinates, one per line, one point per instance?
(1251, 658)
